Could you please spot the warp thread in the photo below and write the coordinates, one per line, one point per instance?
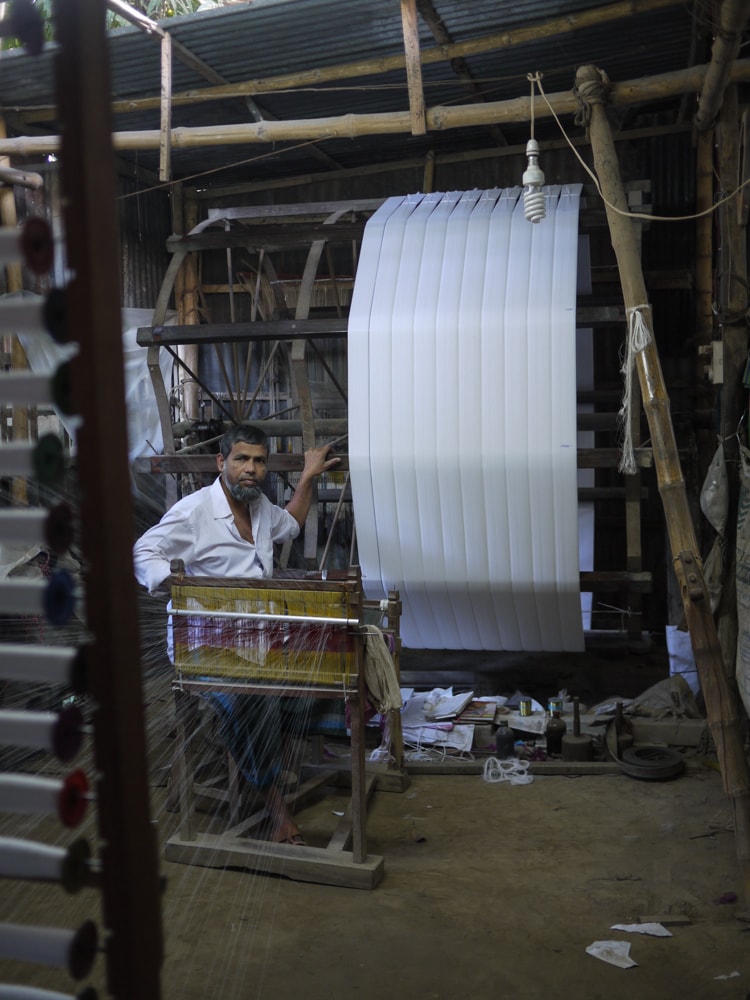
(380, 672)
(639, 337)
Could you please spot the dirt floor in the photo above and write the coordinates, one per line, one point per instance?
(489, 890)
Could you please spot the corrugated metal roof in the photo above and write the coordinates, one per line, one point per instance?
(267, 38)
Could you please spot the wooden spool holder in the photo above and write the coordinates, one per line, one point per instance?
(331, 670)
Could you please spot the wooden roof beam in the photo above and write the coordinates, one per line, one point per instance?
(327, 74)
(439, 119)
(458, 64)
(733, 18)
(192, 61)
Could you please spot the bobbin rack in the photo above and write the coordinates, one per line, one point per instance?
(101, 715)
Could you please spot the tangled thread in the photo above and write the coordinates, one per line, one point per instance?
(516, 772)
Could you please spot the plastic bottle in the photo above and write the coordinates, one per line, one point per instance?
(504, 741)
(554, 732)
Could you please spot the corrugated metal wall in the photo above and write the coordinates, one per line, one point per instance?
(145, 225)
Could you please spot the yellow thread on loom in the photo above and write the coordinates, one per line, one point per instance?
(248, 649)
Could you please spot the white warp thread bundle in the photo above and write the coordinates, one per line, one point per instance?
(515, 772)
(380, 672)
(462, 418)
(639, 337)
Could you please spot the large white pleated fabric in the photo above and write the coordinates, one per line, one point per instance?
(462, 418)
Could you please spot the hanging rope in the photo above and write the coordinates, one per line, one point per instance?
(532, 78)
(639, 336)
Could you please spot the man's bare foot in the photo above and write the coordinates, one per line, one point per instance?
(285, 830)
(288, 835)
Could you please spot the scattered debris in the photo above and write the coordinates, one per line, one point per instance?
(614, 952)
(654, 929)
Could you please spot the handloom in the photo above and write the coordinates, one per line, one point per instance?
(286, 639)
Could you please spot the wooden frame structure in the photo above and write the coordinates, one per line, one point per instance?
(306, 655)
(291, 327)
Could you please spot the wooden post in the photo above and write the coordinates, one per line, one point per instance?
(188, 307)
(733, 301)
(18, 359)
(722, 704)
(409, 21)
(130, 865)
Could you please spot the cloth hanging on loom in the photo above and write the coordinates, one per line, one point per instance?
(380, 673)
(462, 418)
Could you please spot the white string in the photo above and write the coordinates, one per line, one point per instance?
(639, 336)
(513, 771)
(537, 77)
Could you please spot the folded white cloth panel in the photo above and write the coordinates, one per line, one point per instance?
(462, 418)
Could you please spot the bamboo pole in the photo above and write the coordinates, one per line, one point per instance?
(722, 705)
(439, 119)
(165, 146)
(497, 42)
(732, 16)
(410, 25)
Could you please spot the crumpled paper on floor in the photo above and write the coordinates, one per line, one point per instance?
(615, 952)
(654, 929)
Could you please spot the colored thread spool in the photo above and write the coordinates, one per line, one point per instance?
(13, 991)
(26, 859)
(29, 794)
(74, 950)
(59, 598)
(59, 732)
(64, 665)
(48, 459)
(52, 527)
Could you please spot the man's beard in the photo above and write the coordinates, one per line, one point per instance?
(244, 494)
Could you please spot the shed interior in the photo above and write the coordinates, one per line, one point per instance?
(207, 254)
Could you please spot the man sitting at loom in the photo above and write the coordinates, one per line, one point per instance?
(228, 529)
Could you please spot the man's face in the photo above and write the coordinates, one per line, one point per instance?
(244, 470)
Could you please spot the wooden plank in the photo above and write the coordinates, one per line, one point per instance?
(410, 26)
(673, 732)
(609, 580)
(304, 864)
(270, 236)
(589, 494)
(609, 458)
(552, 767)
(230, 333)
(588, 458)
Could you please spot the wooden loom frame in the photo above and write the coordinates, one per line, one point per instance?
(345, 860)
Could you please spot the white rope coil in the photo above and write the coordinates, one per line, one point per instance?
(515, 772)
(639, 337)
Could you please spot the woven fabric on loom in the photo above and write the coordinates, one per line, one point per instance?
(462, 418)
(270, 650)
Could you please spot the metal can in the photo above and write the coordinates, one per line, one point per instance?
(524, 706)
(555, 705)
